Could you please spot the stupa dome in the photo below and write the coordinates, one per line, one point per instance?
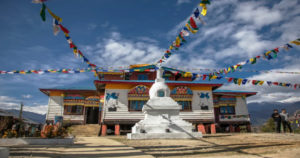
(159, 88)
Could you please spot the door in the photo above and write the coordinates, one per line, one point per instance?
(92, 115)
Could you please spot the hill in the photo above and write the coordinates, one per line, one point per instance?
(39, 118)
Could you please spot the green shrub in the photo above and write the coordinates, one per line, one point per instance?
(269, 126)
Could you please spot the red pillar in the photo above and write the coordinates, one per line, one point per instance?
(201, 128)
(249, 127)
(213, 128)
(117, 130)
(104, 128)
(231, 128)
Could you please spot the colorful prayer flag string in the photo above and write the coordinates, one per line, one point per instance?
(190, 26)
(57, 24)
(271, 54)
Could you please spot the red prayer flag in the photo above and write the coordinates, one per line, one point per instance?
(204, 77)
(72, 45)
(193, 23)
(229, 79)
(80, 52)
(275, 83)
(63, 29)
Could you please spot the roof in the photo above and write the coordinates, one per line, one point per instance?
(234, 92)
(150, 82)
(68, 89)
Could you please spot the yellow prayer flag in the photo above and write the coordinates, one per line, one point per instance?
(261, 82)
(75, 51)
(171, 47)
(204, 9)
(240, 81)
(235, 67)
(190, 29)
(187, 74)
(295, 42)
(177, 42)
(268, 52)
(54, 16)
(229, 69)
(214, 77)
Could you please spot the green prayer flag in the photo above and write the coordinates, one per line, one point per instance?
(43, 12)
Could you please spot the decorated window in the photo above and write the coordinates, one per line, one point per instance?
(137, 97)
(142, 77)
(136, 105)
(225, 100)
(73, 110)
(227, 110)
(183, 95)
(186, 105)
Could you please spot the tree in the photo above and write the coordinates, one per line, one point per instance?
(268, 126)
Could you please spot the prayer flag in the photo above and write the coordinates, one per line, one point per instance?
(196, 12)
(190, 29)
(229, 79)
(43, 12)
(297, 42)
(193, 23)
(55, 27)
(240, 81)
(63, 29)
(54, 16)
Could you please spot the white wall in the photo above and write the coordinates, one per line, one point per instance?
(197, 101)
(241, 106)
(121, 103)
(55, 107)
(123, 113)
(74, 117)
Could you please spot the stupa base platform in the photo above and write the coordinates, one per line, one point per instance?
(193, 135)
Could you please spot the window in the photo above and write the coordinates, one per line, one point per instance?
(227, 110)
(186, 105)
(136, 105)
(142, 77)
(73, 110)
(161, 93)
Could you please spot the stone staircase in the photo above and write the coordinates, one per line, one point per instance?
(89, 130)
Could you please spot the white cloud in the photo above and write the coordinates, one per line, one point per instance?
(257, 14)
(27, 96)
(272, 93)
(7, 102)
(117, 51)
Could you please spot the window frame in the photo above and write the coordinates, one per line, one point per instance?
(189, 109)
(227, 107)
(138, 103)
(68, 109)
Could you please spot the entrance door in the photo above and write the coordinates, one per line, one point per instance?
(92, 115)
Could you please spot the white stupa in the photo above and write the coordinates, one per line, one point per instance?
(162, 116)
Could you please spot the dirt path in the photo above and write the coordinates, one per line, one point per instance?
(83, 147)
(222, 146)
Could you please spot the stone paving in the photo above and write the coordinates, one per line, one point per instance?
(83, 147)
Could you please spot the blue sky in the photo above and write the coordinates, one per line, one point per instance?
(119, 33)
